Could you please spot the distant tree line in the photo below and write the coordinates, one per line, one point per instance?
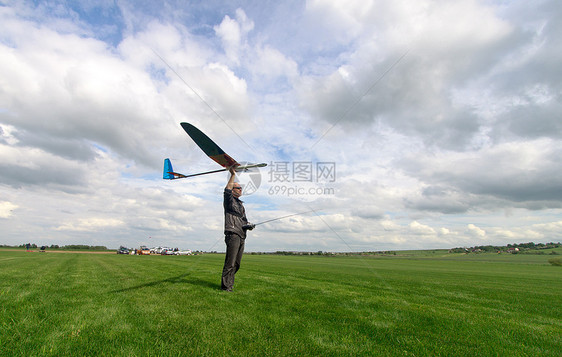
(284, 252)
(535, 248)
(64, 247)
(532, 248)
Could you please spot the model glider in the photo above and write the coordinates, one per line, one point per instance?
(212, 150)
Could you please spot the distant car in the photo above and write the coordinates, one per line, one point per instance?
(123, 250)
(143, 251)
(183, 252)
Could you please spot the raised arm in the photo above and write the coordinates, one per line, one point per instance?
(230, 183)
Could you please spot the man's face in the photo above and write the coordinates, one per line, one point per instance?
(237, 190)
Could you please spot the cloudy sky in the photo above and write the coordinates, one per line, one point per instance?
(396, 124)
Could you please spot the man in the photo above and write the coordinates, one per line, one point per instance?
(235, 227)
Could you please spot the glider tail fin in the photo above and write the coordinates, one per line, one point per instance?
(168, 170)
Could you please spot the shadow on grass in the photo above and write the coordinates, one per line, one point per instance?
(180, 279)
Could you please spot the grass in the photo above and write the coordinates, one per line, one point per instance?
(433, 304)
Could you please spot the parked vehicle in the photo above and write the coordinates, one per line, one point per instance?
(143, 250)
(123, 250)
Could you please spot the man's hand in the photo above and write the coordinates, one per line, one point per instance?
(230, 182)
(248, 226)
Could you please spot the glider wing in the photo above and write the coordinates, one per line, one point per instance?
(212, 150)
(209, 147)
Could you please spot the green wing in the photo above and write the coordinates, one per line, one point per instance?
(208, 146)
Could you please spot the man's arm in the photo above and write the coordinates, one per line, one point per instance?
(230, 183)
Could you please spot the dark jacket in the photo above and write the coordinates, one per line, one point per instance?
(234, 214)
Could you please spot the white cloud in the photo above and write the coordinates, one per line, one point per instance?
(232, 33)
(389, 225)
(6, 209)
(90, 224)
(270, 63)
(422, 229)
(475, 231)
(7, 136)
(428, 150)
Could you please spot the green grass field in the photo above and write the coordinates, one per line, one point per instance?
(427, 304)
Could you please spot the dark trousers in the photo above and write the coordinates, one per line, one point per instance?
(234, 251)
